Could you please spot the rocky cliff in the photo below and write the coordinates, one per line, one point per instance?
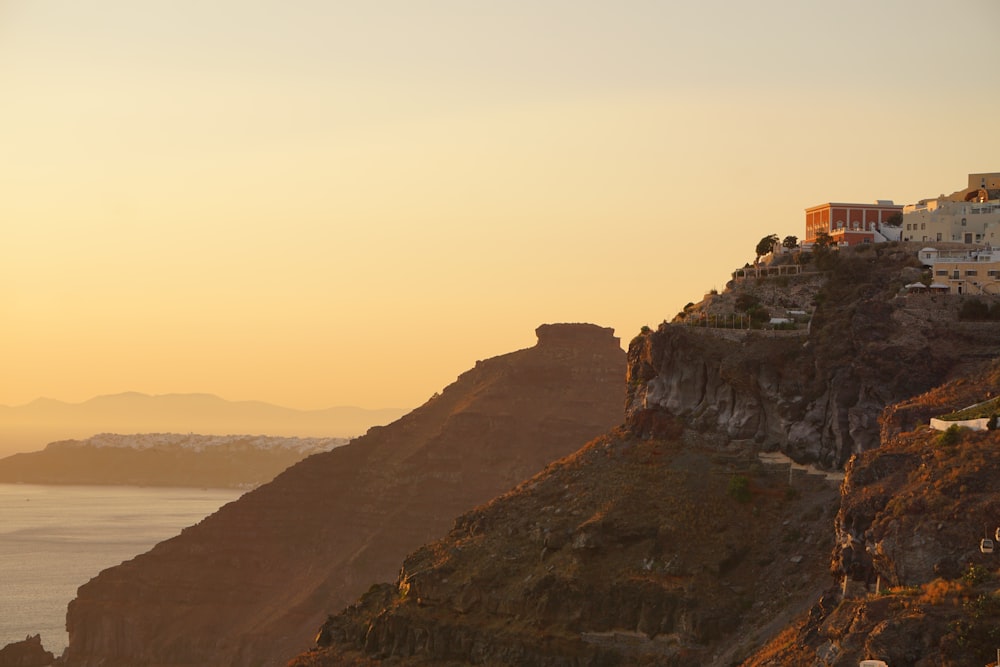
(250, 584)
(26, 653)
(918, 591)
(815, 393)
(668, 541)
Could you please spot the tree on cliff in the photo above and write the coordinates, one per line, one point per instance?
(822, 251)
(766, 245)
(791, 241)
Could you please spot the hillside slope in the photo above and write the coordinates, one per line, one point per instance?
(638, 549)
(250, 584)
(632, 551)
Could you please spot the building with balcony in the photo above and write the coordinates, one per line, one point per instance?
(964, 272)
(970, 215)
(852, 224)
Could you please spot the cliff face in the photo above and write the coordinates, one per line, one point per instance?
(250, 584)
(916, 508)
(26, 653)
(815, 395)
(667, 541)
(912, 515)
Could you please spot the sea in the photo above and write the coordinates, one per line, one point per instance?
(53, 539)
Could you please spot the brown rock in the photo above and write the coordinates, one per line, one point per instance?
(250, 584)
(26, 653)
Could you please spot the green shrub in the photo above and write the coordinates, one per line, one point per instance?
(974, 309)
(739, 488)
(951, 436)
(745, 301)
(976, 574)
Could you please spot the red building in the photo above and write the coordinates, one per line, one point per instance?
(850, 223)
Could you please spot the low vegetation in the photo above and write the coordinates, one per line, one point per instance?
(982, 410)
(978, 311)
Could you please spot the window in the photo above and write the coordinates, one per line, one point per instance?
(941, 272)
(972, 272)
(963, 222)
(939, 236)
(923, 225)
(993, 273)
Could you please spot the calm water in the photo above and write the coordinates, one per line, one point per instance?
(54, 539)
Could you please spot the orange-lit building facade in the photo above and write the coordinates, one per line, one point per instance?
(850, 223)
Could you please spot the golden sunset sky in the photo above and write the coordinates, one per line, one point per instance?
(320, 203)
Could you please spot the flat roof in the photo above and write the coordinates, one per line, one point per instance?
(854, 205)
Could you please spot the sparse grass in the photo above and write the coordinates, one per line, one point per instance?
(979, 411)
(937, 591)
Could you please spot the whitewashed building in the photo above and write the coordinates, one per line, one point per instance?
(971, 215)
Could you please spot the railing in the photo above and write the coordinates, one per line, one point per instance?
(767, 271)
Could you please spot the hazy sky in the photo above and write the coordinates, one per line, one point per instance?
(329, 203)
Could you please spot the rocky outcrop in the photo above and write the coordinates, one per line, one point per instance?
(666, 542)
(250, 584)
(26, 653)
(911, 519)
(916, 508)
(815, 395)
(633, 551)
(876, 540)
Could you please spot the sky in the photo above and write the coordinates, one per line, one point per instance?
(320, 203)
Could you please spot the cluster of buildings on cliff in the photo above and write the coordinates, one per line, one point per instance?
(970, 217)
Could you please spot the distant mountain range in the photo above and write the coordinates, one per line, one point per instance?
(32, 426)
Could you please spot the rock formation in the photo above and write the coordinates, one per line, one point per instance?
(26, 653)
(667, 542)
(815, 394)
(250, 584)
(912, 515)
